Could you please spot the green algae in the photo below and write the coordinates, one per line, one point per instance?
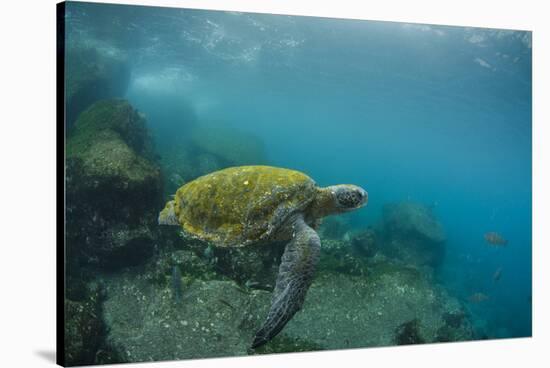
(110, 139)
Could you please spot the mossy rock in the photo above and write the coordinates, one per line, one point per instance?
(109, 120)
(110, 152)
(411, 233)
(365, 243)
(337, 256)
(90, 77)
(113, 186)
(191, 267)
(413, 219)
(343, 311)
(212, 319)
(256, 267)
(113, 160)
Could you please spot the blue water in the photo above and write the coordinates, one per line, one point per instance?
(435, 114)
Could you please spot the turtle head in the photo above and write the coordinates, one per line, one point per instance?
(348, 197)
(340, 198)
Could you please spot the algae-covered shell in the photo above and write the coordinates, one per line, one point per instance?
(241, 205)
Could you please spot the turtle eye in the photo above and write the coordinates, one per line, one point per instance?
(349, 198)
(357, 198)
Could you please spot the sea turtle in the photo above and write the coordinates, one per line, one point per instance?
(251, 205)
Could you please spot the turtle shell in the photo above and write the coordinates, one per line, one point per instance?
(241, 205)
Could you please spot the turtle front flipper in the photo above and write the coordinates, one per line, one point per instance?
(295, 276)
(168, 215)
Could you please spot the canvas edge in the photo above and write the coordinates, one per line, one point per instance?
(60, 183)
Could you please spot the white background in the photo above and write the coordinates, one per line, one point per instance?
(27, 180)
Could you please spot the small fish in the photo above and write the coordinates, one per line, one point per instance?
(497, 274)
(225, 302)
(347, 236)
(495, 239)
(176, 284)
(478, 298)
(251, 284)
(256, 285)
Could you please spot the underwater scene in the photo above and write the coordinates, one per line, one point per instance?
(242, 184)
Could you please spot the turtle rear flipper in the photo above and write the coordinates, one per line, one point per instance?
(295, 276)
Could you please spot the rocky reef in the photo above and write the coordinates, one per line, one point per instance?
(410, 232)
(345, 311)
(92, 75)
(377, 303)
(113, 192)
(215, 301)
(365, 242)
(334, 227)
(214, 318)
(361, 297)
(113, 186)
(256, 267)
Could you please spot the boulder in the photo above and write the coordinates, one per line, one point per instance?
(413, 219)
(338, 256)
(213, 319)
(410, 232)
(256, 267)
(191, 266)
(113, 186)
(364, 242)
(343, 311)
